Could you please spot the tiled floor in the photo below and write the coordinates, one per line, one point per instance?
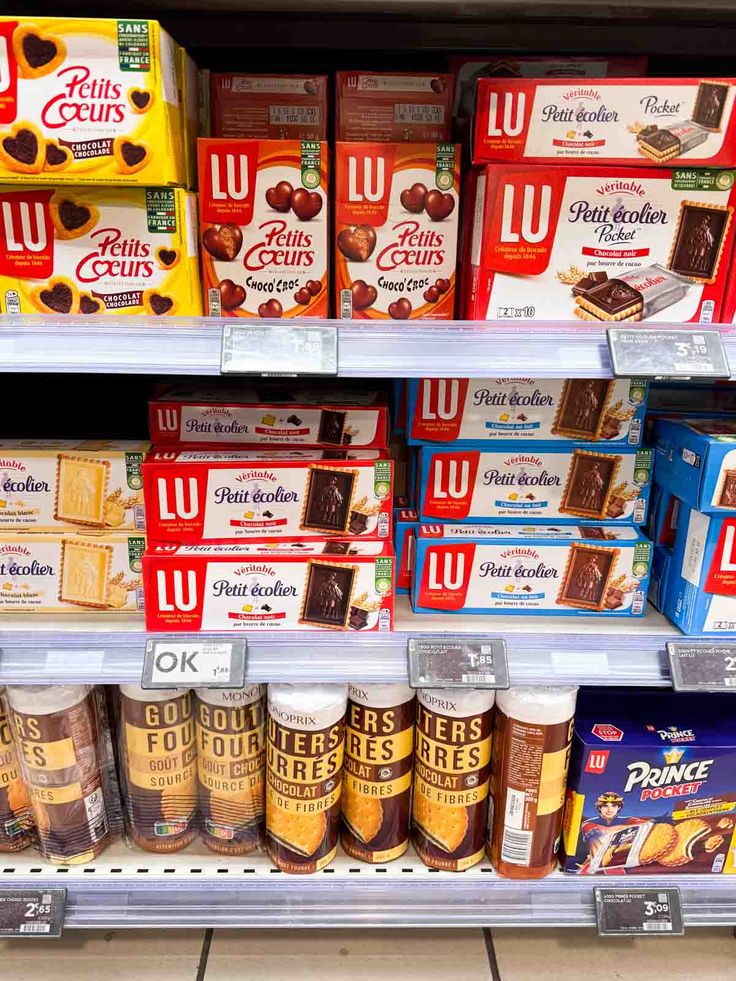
(359, 955)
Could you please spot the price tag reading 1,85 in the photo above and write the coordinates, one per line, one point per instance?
(458, 662)
(682, 354)
(32, 912)
(195, 663)
(702, 667)
(638, 912)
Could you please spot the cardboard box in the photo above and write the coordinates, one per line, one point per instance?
(551, 483)
(264, 228)
(90, 100)
(392, 107)
(664, 509)
(469, 412)
(678, 122)
(608, 245)
(226, 495)
(190, 100)
(268, 107)
(406, 522)
(594, 570)
(696, 461)
(659, 578)
(651, 787)
(232, 588)
(99, 250)
(396, 227)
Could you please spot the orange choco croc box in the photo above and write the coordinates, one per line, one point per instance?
(264, 227)
(98, 250)
(396, 228)
(268, 107)
(87, 100)
(393, 107)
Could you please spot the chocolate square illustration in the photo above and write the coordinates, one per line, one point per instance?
(327, 595)
(331, 426)
(587, 574)
(727, 497)
(586, 532)
(336, 548)
(709, 104)
(582, 406)
(327, 500)
(589, 483)
(699, 239)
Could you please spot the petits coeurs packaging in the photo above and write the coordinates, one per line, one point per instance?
(264, 228)
(531, 570)
(231, 587)
(89, 100)
(685, 122)
(227, 495)
(268, 107)
(392, 107)
(604, 244)
(468, 412)
(651, 787)
(97, 250)
(396, 229)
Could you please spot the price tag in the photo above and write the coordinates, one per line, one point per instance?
(458, 662)
(32, 912)
(195, 663)
(678, 354)
(281, 349)
(702, 667)
(637, 912)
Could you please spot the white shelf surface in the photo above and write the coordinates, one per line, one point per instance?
(127, 887)
(99, 648)
(190, 346)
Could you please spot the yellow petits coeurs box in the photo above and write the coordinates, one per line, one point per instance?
(71, 572)
(98, 250)
(89, 100)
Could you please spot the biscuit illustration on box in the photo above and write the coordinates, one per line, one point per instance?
(659, 841)
(709, 104)
(22, 149)
(589, 484)
(89, 305)
(72, 218)
(159, 304)
(85, 571)
(130, 156)
(582, 408)
(328, 499)
(331, 426)
(688, 834)
(56, 157)
(81, 489)
(727, 497)
(301, 833)
(328, 593)
(59, 295)
(167, 257)
(140, 100)
(445, 825)
(37, 53)
(698, 242)
(363, 815)
(588, 573)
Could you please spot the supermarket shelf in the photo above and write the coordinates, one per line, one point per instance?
(189, 346)
(542, 650)
(193, 888)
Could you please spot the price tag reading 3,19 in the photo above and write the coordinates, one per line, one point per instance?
(458, 662)
(678, 354)
(638, 912)
(194, 663)
(281, 349)
(32, 912)
(702, 667)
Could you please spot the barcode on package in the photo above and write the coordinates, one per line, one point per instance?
(34, 928)
(214, 300)
(516, 847)
(346, 305)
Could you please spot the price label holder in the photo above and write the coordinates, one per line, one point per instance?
(32, 912)
(458, 662)
(195, 663)
(638, 912)
(280, 349)
(664, 354)
(702, 667)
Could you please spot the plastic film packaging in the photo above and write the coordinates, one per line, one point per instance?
(16, 815)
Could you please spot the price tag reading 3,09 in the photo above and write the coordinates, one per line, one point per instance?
(639, 912)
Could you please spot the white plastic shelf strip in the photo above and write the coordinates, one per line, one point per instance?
(127, 887)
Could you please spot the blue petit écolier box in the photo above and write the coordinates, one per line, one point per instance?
(695, 459)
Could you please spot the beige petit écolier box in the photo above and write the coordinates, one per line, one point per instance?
(48, 485)
(71, 572)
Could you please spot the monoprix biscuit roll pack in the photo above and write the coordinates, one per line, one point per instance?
(16, 813)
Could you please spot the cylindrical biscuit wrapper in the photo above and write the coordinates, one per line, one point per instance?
(305, 746)
(452, 762)
(16, 814)
(158, 760)
(231, 763)
(59, 737)
(377, 777)
(531, 753)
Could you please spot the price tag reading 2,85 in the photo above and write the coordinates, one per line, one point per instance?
(458, 662)
(702, 667)
(679, 354)
(638, 912)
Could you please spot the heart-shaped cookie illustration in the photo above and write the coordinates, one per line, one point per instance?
(357, 244)
(71, 218)
(431, 294)
(58, 296)
(36, 53)
(438, 205)
(438, 85)
(167, 258)
(400, 309)
(56, 157)
(442, 285)
(412, 198)
(271, 309)
(140, 100)
(22, 150)
(314, 286)
(306, 204)
(130, 156)
(89, 304)
(303, 296)
(364, 295)
(232, 295)
(311, 86)
(279, 197)
(224, 242)
(158, 304)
